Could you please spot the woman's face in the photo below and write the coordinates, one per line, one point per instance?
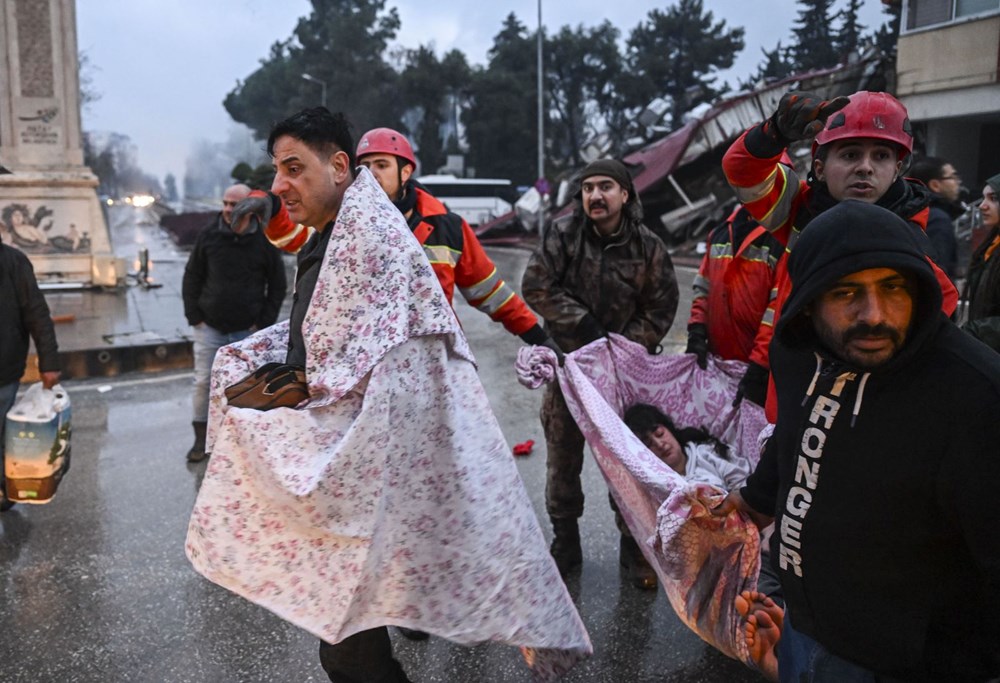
(665, 447)
(989, 209)
(16, 217)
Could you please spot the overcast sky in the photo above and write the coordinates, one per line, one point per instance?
(163, 68)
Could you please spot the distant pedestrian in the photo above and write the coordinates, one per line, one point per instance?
(600, 270)
(24, 314)
(983, 285)
(234, 283)
(943, 181)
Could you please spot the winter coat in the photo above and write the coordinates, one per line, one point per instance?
(584, 285)
(941, 233)
(233, 282)
(882, 482)
(24, 313)
(983, 292)
(735, 284)
(458, 259)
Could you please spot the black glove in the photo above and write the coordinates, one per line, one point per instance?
(261, 207)
(550, 343)
(589, 329)
(800, 115)
(698, 343)
(753, 386)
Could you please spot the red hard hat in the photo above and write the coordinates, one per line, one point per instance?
(385, 141)
(876, 115)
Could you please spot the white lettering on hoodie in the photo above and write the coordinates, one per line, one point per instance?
(807, 468)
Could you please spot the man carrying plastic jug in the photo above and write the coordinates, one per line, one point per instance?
(22, 304)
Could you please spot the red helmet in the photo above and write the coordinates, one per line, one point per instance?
(875, 115)
(385, 141)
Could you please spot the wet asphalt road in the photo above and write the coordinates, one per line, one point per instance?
(95, 586)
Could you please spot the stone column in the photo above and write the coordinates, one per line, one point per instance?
(48, 204)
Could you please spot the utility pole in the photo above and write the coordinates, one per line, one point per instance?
(541, 126)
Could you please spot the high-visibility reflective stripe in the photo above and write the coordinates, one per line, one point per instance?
(762, 254)
(496, 301)
(481, 288)
(701, 285)
(779, 211)
(718, 251)
(299, 231)
(792, 239)
(773, 295)
(441, 254)
(768, 317)
(748, 195)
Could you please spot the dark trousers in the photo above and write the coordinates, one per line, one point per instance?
(365, 657)
(564, 443)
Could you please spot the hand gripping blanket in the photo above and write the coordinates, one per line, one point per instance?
(703, 562)
(390, 497)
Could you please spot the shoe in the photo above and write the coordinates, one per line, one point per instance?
(197, 452)
(412, 633)
(565, 547)
(640, 573)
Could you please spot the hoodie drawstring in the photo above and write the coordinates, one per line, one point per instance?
(812, 384)
(861, 393)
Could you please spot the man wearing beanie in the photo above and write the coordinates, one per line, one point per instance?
(882, 468)
(599, 271)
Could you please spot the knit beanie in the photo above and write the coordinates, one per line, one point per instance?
(612, 168)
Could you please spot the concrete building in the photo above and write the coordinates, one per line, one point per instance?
(948, 76)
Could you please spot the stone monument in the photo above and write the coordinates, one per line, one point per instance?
(48, 202)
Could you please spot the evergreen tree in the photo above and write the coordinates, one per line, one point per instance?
(848, 36)
(776, 66)
(581, 67)
(676, 54)
(341, 43)
(501, 119)
(814, 46)
(430, 86)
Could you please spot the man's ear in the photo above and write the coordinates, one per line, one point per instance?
(341, 166)
(818, 169)
(405, 172)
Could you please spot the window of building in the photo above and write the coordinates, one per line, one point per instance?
(921, 13)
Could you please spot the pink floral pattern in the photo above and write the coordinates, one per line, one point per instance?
(704, 562)
(390, 497)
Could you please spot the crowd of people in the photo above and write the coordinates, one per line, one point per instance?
(836, 289)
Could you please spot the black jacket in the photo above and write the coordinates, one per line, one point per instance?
(233, 282)
(941, 234)
(883, 483)
(23, 312)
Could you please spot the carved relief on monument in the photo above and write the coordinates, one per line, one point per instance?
(34, 30)
(44, 228)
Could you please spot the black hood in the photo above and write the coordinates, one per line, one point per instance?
(850, 237)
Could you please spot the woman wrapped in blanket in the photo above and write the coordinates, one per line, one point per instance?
(698, 456)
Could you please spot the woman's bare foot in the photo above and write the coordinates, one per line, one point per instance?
(764, 619)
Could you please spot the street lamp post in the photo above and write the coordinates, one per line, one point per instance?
(322, 85)
(541, 125)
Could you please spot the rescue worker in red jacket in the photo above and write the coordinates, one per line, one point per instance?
(861, 144)
(452, 248)
(732, 290)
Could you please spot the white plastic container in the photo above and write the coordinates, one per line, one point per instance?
(37, 444)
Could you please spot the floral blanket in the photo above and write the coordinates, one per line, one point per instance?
(390, 497)
(703, 562)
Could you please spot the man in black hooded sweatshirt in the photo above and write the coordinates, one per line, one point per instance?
(883, 465)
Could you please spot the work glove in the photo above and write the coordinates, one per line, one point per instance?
(753, 386)
(698, 343)
(800, 115)
(261, 206)
(551, 343)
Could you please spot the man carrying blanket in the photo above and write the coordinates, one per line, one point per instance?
(389, 497)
